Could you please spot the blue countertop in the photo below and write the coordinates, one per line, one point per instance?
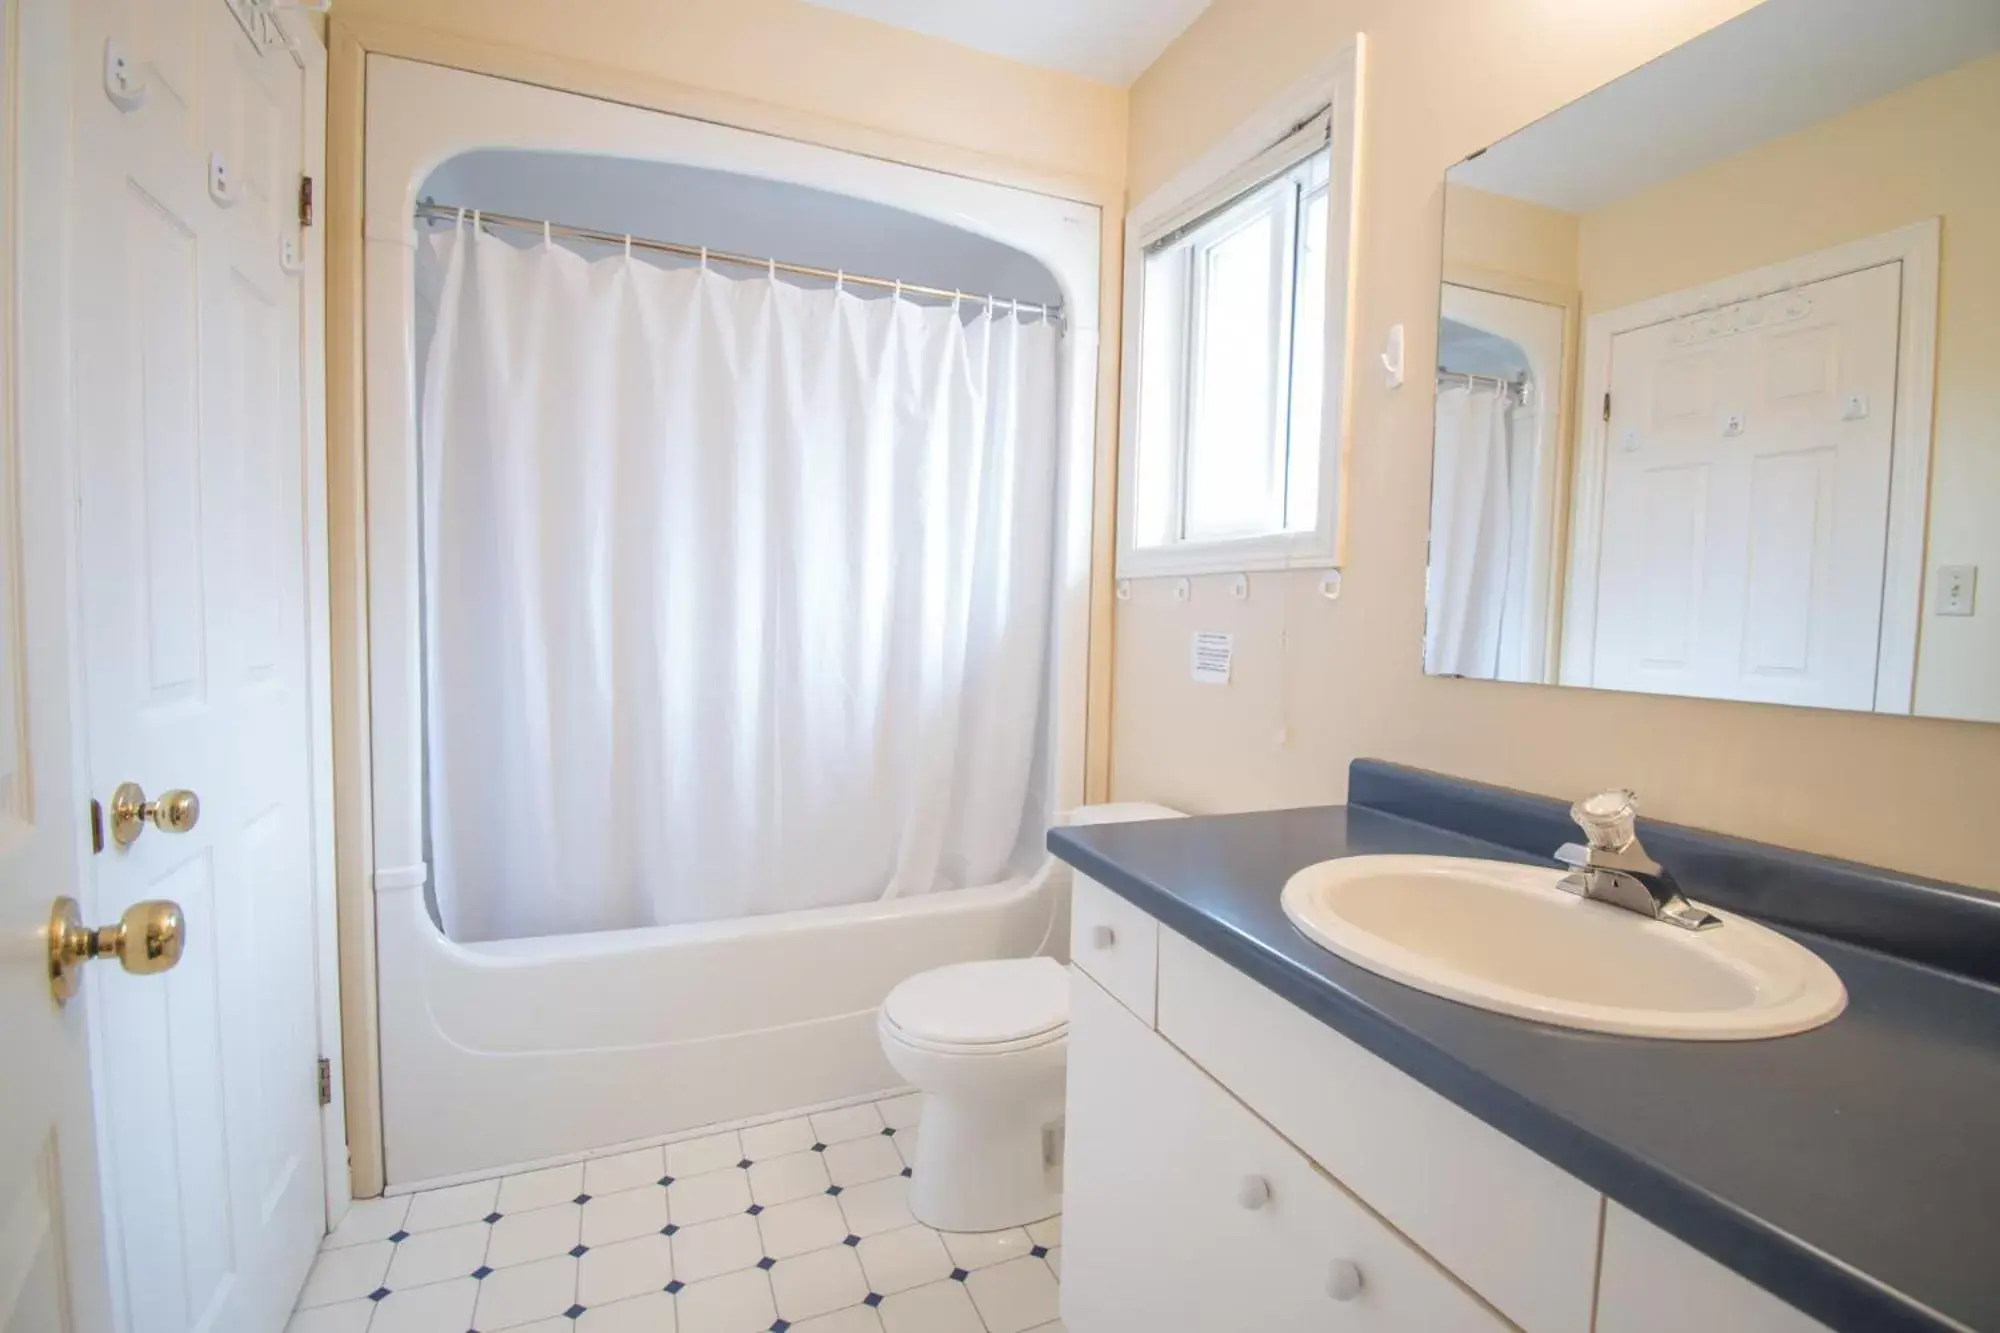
(1853, 1171)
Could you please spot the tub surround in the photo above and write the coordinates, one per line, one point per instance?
(1846, 1171)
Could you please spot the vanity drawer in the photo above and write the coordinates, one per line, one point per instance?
(1116, 943)
(1652, 1283)
(1516, 1229)
(1186, 1213)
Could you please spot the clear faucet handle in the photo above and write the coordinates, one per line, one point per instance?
(1609, 819)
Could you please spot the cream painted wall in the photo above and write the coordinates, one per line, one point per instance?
(1319, 683)
(810, 60)
(1490, 233)
(1922, 152)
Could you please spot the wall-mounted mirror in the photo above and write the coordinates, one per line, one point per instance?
(1718, 392)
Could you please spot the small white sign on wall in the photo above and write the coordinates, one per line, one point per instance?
(1211, 658)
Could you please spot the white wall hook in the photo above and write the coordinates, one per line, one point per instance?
(1253, 1193)
(1392, 357)
(1343, 1280)
(1329, 585)
(1239, 587)
(1182, 590)
(221, 181)
(123, 83)
(1124, 590)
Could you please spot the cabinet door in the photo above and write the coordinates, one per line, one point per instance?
(1116, 943)
(1186, 1212)
(1653, 1283)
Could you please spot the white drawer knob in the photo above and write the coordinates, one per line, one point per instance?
(1103, 937)
(1343, 1280)
(1254, 1192)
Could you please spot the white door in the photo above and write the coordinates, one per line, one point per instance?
(51, 1264)
(193, 628)
(1746, 498)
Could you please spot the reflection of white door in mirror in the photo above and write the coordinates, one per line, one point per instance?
(1745, 502)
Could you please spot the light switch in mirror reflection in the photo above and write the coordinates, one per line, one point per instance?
(1717, 412)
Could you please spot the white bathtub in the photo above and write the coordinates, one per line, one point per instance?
(500, 1055)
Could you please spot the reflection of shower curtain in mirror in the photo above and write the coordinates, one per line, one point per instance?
(737, 594)
(1472, 531)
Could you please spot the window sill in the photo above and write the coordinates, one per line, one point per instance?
(1251, 555)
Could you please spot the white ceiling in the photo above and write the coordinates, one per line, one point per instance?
(1773, 71)
(1112, 41)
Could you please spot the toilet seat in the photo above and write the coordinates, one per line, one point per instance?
(985, 1008)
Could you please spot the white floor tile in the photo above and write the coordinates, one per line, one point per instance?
(442, 1307)
(369, 1219)
(651, 1313)
(906, 1143)
(540, 1189)
(1053, 1326)
(941, 1307)
(346, 1317)
(804, 1224)
(704, 1198)
(561, 1323)
(711, 1249)
(854, 1319)
(510, 1296)
(691, 1157)
(435, 1209)
(621, 1216)
(1047, 1232)
(433, 1256)
(898, 1260)
(983, 1249)
(818, 1283)
(777, 1138)
(883, 1205)
(539, 1233)
(849, 1122)
(1054, 1258)
(733, 1303)
(858, 1161)
(782, 1179)
(626, 1171)
(902, 1112)
(1014, 1296)
(633, 1267)
(347, 1273)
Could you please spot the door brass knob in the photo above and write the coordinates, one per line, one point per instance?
(149, 938)
(176, 812)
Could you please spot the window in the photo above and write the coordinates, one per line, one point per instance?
(1229, 458)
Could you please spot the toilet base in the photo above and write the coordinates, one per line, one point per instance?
(985, 1167)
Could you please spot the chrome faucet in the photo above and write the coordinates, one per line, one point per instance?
(1612, 867)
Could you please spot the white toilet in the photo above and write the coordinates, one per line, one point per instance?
(986, 1043)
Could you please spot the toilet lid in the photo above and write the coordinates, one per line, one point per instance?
(982, 1004)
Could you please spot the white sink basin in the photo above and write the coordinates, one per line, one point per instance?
(1503, 937)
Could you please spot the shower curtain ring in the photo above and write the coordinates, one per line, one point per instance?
(548, 234)
(628, 247)
(840, 280)
(704, 259)
(460, 224)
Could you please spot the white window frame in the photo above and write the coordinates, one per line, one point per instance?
(1259, 148)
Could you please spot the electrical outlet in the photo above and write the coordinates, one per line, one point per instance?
(1957, 585)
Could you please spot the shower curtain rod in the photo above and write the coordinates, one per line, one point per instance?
(433, 212)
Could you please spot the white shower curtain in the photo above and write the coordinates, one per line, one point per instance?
(1472, 519)
(737, 593)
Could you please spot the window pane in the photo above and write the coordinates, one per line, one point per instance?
(1234, 485)
(1308, 367)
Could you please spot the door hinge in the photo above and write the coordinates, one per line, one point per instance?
(325, 1081)
(1607, 409)
(305, 201)
(96, 826)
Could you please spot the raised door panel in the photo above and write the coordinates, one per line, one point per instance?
(1184, 1211)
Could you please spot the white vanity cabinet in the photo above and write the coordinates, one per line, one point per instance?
(1185, 1213)
(1234, 1164)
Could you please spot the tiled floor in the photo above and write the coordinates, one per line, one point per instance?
(801, 1225)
